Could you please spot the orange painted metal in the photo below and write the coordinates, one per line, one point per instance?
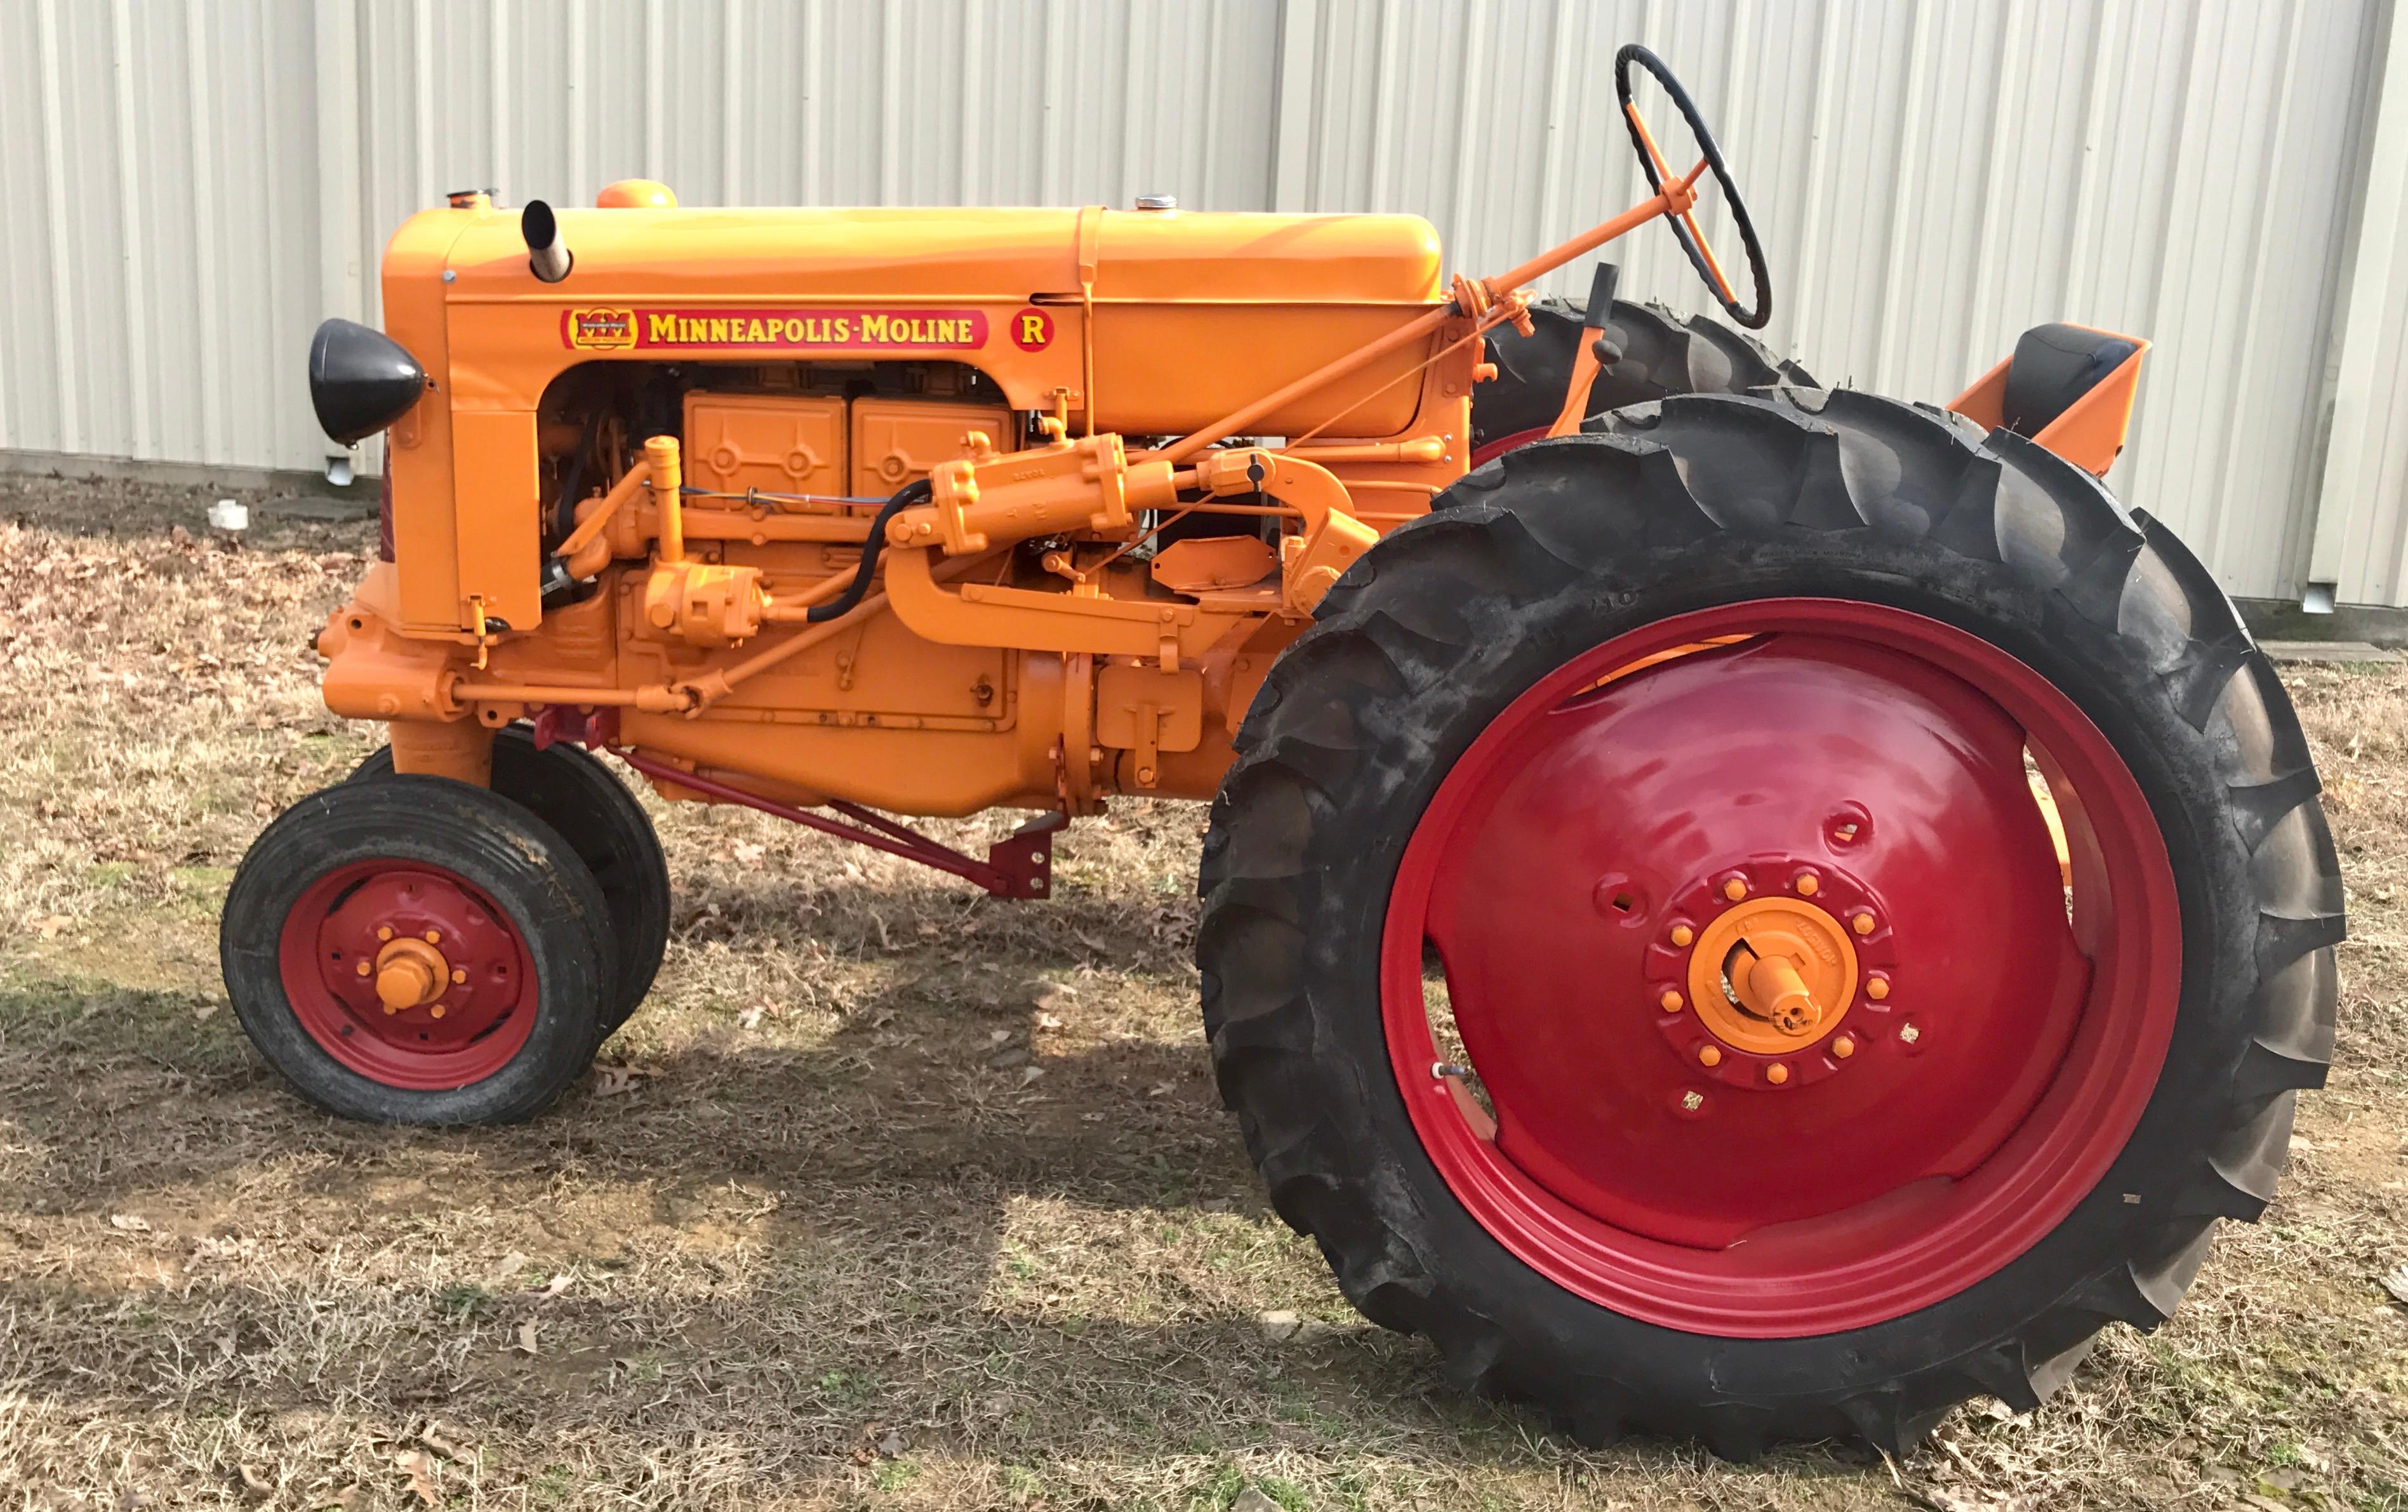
(1773, 975)
(1085, 391)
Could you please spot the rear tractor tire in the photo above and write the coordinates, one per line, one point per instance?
(1775, 1074)
(592, 810)
(417, 950)
(1664, 355)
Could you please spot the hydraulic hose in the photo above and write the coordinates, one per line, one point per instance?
(844, 603)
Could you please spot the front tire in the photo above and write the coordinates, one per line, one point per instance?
(417, 950)
(1633, 683)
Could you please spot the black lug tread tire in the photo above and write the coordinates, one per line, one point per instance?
(516, 860)
(1703, 500)
(571, 791)
(1663, 354)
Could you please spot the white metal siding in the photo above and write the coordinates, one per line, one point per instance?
(206, 180)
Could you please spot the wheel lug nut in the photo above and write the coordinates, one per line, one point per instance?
(1776, 1074)
(1862, 922)
(1671, 1001)
(1683, 934)
(436, 1012)
(1708, 1055)
(434, 936)
(459, 975)
(1809, 884)
(1843, 1047)
(1877, 988)
(364, 968)
(1735, 889)
(384, 932)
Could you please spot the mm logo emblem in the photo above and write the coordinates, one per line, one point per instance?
(599, 330)
(1032, 330)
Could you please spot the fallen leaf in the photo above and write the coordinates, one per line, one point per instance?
(129, 1223)
(1028, 1075)
(1048, 1021)
(202, 1011)
(749, 1018)
(610, 1080)
(1280, 1323)
(437, 1435)
(525, 1344)
(226, 1342)
(511, 1264)
(747, 852)
(50, 925)
(420, 1466)
(893, 1444)
(256, 1484)
(996, 1036)
(2397, 1284)
(555, 1287)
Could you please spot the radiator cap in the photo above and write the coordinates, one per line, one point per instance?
(636, 194)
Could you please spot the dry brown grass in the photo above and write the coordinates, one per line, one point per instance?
(913, 1200)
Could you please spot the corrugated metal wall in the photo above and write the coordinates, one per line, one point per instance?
(205, 180)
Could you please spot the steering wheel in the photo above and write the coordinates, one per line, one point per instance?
(1684, 224)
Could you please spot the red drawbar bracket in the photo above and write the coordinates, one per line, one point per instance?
(1021, 865)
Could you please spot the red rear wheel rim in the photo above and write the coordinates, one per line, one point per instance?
(1490, 451)
(1645, 1153)
(479, 1000)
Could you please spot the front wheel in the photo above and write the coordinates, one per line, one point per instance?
(1768, 920)
(417, 950)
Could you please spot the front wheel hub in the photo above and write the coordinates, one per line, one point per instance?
(408, 973)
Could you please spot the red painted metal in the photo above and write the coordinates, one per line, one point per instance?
(1987, 1093)
(334, 927)
(1483, 455)
(1018, 866)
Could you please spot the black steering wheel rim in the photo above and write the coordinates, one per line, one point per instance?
(1752, 319)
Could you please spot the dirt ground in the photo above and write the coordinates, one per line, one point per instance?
(892, 1195)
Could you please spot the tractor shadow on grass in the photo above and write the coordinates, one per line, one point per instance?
(893, 1228)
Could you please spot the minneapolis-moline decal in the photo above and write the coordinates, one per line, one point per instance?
(624, 329)
(599, 330)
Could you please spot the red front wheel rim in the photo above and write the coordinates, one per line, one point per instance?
(1970, 1036)
(408, 973)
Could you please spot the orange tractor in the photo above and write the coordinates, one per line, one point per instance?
(1761, 912)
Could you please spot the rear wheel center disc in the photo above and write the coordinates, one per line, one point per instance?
(1783, 1026)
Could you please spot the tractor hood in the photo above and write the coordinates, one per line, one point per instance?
(1140, 256)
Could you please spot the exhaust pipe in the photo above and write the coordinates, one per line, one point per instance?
(548, 256)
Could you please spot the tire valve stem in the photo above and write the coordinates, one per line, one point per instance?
(1440, 1070)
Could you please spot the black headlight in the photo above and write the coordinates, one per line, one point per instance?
(360, 380)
